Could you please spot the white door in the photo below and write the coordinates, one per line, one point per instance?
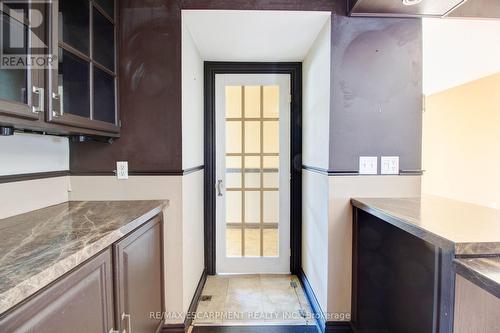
(253, 173)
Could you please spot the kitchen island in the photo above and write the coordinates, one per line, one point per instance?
(405, 257)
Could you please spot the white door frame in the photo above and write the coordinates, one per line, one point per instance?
(250, 265)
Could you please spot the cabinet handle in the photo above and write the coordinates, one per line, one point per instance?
(56, 105)
(113, 331)
(129, 322)
(37, 100)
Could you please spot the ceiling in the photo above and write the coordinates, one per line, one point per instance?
(233, 35)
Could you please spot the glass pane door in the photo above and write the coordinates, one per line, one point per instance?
(16, 78)
(254, 168)
(252, 171)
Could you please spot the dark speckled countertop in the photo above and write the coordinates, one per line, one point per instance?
(38, 247)
(471, 231)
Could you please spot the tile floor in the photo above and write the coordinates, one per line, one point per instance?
(253, 300)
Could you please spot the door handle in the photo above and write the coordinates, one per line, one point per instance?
(129, 322)
(219, 188)
(113, 331)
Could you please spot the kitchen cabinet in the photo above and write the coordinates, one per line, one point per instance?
(82, 302)
(138, 279)
(83, 86)
(115, 291)
(76, 93)
(22, 93)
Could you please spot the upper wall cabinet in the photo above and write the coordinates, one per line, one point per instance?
(83, 86)
(21, 88)
(75, 91)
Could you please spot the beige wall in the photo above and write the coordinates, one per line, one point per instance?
(315, 147)
(21, 197)
(193, 258)
(315, 233)
(192, 234)
(342, 189)
(316, 101)
(192, 102)
(31, 153)
(461, 140)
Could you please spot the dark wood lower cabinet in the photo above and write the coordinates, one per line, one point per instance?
(401, 282)
(114, 292)
(80, 302)
(138, 279)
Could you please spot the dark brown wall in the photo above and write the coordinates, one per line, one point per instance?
(364, 77)
(150, 93)
(264, 4)
(376, 91)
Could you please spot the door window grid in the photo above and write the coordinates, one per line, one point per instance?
(267, 230)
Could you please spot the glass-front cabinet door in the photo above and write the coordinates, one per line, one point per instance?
(83, 82)
(22, 49)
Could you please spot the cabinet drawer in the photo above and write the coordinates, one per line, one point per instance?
(81, 301)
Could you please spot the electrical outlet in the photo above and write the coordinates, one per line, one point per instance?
(389, 165)
(368, 165)
(122, 170)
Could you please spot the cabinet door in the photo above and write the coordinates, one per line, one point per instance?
(83, 86)
(80, 302)
(21, 45)
(139, 279)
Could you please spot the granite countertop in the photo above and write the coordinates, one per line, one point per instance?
(38, 247)
(484, 272)
(467, 229)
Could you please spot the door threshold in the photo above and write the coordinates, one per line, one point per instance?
(252, 323)
(255, 329)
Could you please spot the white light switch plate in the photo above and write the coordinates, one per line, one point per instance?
(368, 165)
(389, 165)
(122, 170)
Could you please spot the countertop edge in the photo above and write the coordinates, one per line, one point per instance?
(413, 229)
(476, 277)
(12, 298)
